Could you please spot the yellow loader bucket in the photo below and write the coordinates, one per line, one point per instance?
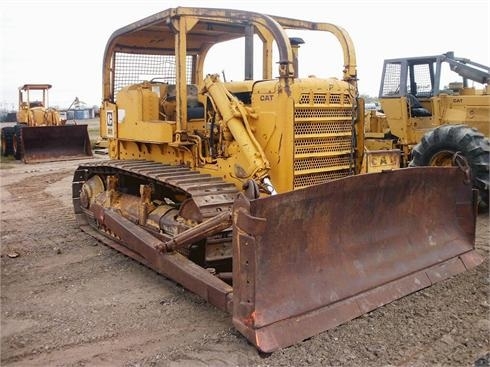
(309, 260)
(55, 143)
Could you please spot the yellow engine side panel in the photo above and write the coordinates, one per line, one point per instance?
(473, 110)
(153, 131)
(138, 117)
(306, 133)
(273, 129)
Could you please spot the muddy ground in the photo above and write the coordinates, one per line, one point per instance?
(67, 300)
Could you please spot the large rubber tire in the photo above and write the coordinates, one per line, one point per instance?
(438, 146)
(17, 142)
(7, 135)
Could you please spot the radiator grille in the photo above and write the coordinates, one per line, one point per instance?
(322, 145)
(324, 99)
(315, 163)
(309, 113)
(318, 178)
(323, 138)
(322, 128)
(335, 99)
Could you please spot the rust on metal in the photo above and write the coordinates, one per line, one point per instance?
(145, 248)
(304, 261)
(321, 256)
(460, 161)
(55, 143)
(381, 160)
(199, 232)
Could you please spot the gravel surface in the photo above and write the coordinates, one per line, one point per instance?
(67, 300)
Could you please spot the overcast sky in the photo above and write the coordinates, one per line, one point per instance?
(62, 42)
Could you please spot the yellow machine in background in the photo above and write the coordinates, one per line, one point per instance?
(430, 112)
(249, 192)
(34, 112)
(40, 134)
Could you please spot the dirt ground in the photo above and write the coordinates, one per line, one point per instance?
(67, 300)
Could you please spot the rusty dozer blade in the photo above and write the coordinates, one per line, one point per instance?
(55, 143)
(312, 259)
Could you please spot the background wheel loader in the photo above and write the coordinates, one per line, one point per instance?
(430, 112)
(40, 134)
(249, 192)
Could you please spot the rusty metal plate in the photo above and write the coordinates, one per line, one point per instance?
(312, 259)
(380, 160)
(55, 143)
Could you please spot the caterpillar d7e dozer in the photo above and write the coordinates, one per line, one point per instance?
(40, 134)
(249, 192)
(430, 112)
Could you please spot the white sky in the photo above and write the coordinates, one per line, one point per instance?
(62, 42)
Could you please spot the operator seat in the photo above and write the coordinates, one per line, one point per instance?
(195, 109)
(415, 108)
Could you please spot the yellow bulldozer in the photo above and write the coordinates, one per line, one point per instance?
(430, 111)
(256, 194)
(40, 134)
